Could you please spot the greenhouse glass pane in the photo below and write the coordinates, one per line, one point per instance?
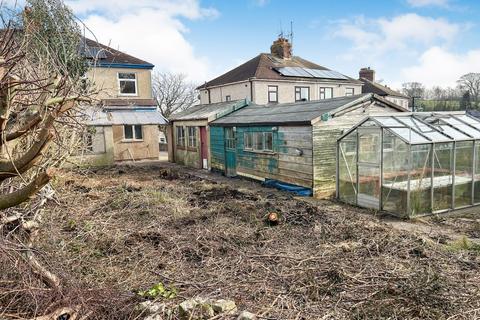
(463, 173)
(369, 147)
(389, 122)
(347, 168)
(421, 180)
(443, 176)
(468, 119)
(451, 132)
(395, 174)
(463, 127)
(477, 173)
(409, 135)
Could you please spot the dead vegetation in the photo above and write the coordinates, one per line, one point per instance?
(118, 231)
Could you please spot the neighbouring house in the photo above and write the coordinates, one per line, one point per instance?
(278, 77)
(367, 76)
(126, 126)
(292, 143)
(189, 132)
(411, 164)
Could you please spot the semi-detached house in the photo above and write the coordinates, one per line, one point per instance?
(278, 77)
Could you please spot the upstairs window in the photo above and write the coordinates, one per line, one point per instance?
(127, 83)
(326, 93)
(302, 93)
(272, 94)
(349, 91)
(192, 137)
(132, 132)
(180, 137)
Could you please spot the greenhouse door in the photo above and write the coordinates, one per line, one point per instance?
(369, 173)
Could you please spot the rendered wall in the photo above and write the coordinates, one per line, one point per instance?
(106, 80)
(125, 150)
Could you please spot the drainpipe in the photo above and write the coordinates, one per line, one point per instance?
(209, 98)
(251, 89)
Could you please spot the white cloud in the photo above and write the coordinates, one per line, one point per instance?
(438, 66)
(425, 3)
(151, 30)
(378, 36)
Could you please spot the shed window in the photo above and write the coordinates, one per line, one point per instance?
(230, 138)
(302, 93)
(132, 132)
(247, 140)
(192, 137)
(180, 137)
(349, 91)
(272, 93)
(326, 93)
(127, 83)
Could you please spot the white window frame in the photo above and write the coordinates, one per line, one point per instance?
(192, 139)
(245, 145)
(299, 88)
(272, 89)
(135, 138)
(348, 94)
(323, 91)
(265, 134)
(177, 137)
(128, 80)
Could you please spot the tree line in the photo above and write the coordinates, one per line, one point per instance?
(465, 96)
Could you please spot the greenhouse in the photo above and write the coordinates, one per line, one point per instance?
(411, 165)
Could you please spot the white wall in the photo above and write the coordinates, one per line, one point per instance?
(286, 91)
(402, 102)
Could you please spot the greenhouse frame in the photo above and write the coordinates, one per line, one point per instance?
(411, 164)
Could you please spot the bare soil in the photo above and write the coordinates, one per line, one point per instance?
(120, 230)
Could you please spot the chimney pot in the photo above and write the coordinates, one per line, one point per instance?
(367, 73)
(281, 48)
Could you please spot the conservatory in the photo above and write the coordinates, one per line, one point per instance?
(411, 165)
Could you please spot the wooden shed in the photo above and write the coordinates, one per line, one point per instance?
(293, 143)
(188, 134)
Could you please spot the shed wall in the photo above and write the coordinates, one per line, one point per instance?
(325, 135)
(189, 156)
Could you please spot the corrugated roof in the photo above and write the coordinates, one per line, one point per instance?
(299, 112)
(381, 90)
(262, 67)
(108, 118)
(209, 111)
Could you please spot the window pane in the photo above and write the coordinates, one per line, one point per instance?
(127, 87)
(258, 140)
(272, 97)
(138, 132)
(477, 172)
(369, 146)
(247, 140)
(328, 93)
(268, 141)
(126, 75)
(463, 173)
(347, 173)
(305, 93)
(128, 131)
(420, 180)
(443, 176)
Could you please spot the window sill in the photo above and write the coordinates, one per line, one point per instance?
(131, 140)
(128, 94)
(194, 149)
(260, 152)
(180, 147)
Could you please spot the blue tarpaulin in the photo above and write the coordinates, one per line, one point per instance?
(298, 190)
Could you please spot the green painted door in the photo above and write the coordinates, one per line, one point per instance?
(230, 152)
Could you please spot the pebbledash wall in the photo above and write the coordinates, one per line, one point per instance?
(256, 90)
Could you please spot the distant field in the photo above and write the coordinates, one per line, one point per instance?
(437, 105)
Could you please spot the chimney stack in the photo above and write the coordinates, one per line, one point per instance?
(367, 73)
(281, 48)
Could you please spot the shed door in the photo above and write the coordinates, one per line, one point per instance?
(203, 148)
(369, 170)
(230, 152)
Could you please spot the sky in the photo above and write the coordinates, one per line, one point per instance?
(429, 41)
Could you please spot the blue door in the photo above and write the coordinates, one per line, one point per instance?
(230, 152)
